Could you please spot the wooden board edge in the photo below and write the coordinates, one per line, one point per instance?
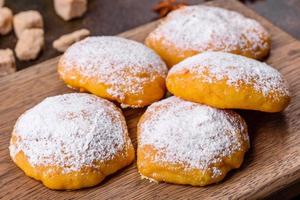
(280, 183)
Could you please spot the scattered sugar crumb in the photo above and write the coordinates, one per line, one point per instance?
(150, 179)
(130, 106)
(216, 172)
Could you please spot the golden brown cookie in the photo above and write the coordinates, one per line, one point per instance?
(115, 68)
(71, 141)
(225, 80)
(194, 29)
(188, 143)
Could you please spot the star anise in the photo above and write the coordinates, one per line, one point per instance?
(166, 6)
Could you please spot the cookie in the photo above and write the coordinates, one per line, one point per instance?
(115, 68)
(194, 29)
(225, 80)
(189, 143)
(71, 141)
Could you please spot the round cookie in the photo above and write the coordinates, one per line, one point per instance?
(71, 141)
(115, 68)
(194, 29)
(188, 143)
(225, 80)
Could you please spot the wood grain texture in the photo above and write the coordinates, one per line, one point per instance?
(272, 163)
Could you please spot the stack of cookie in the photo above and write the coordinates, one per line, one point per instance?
(190, 138)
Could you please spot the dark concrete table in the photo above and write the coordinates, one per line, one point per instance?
(109, 17)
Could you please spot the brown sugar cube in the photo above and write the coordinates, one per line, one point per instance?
(65, 41)
(69, 9)
(2, 3)
(27, 20)
(6, 18)
(30, 44)
(7, 62)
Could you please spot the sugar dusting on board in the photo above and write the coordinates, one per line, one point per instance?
(235, 69)
(193, 134)
(119, 63)
(70, 131)
(205, 28)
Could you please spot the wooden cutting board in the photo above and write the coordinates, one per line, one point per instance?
(272, 163)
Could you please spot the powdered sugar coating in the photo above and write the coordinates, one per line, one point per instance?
(70, 131)
(203, 28)
(235, 69)
(115, 61)
(192, 134)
